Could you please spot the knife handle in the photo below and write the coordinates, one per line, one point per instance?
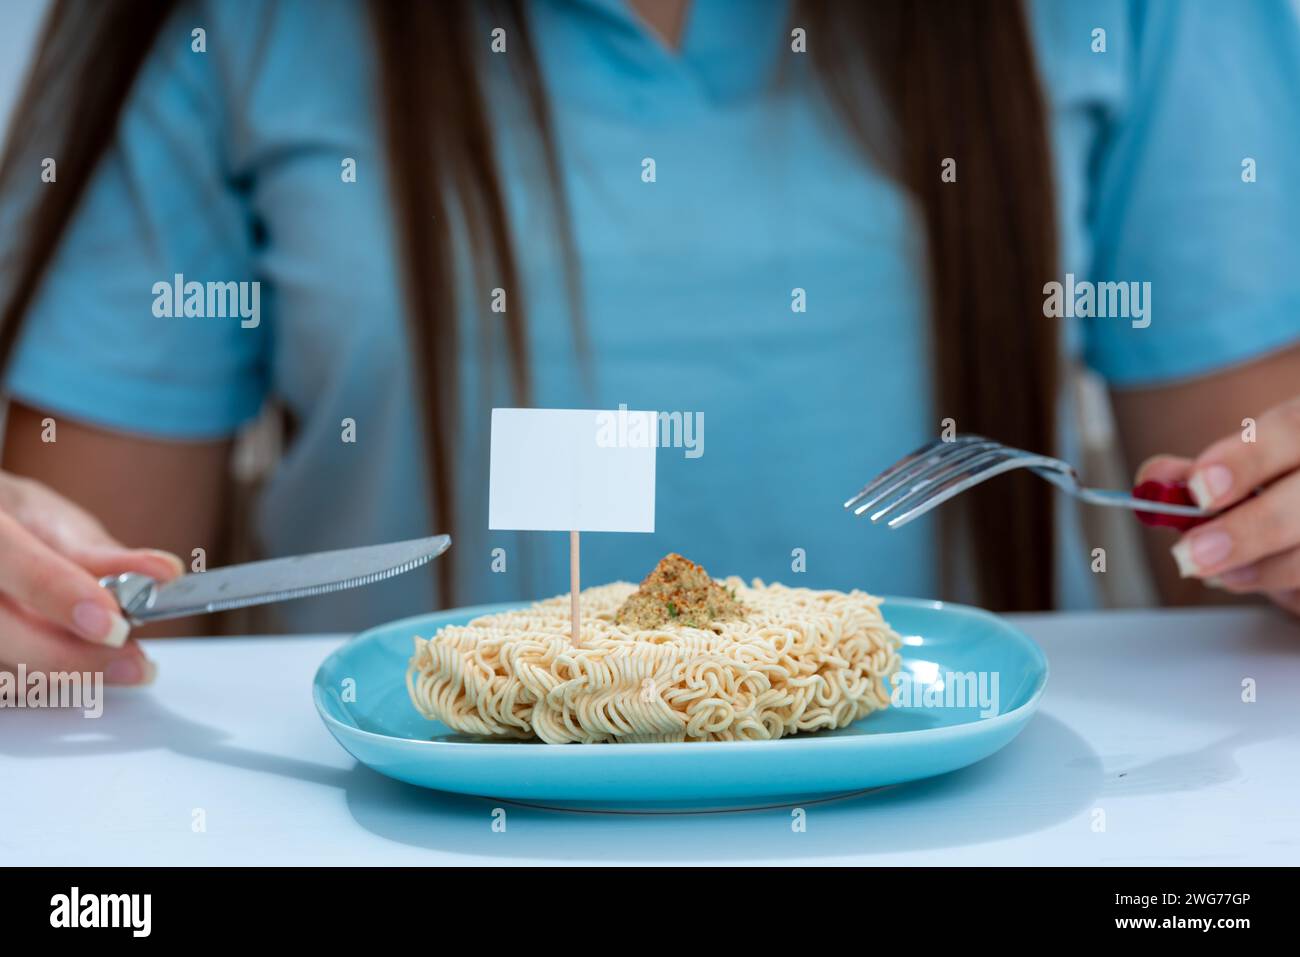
(134, 593)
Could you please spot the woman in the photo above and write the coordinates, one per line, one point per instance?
(821, 229)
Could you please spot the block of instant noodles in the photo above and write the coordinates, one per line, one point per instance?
(681, 658)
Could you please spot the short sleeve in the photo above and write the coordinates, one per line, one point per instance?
(1194, 190)
(149, 318)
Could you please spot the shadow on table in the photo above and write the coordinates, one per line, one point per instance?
(1194, 672)
(1047, 775)
(137, 722)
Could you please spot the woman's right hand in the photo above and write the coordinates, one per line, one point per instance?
(54, 616)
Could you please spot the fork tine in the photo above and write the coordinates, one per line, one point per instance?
(925, 471)
(932, 496)
(974, 458)
(906, 461)
(911, 464)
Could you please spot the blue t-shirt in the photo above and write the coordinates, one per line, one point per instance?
(228, 167)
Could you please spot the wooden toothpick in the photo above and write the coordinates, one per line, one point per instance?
(573, 588)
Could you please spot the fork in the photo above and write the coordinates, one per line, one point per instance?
(945, 468)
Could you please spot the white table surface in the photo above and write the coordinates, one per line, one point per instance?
(1143, 730)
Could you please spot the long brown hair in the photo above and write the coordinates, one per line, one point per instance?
(947, 80)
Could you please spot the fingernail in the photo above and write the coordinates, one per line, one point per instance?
(1209, 484)
(1214, 582)
(130, 671)
(97, 624)
(1200, 551)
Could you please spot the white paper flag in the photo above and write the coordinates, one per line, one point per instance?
(581, 470)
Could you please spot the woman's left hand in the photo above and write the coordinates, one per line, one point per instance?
(1254, 546)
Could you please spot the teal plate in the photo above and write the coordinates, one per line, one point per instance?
(973, 681)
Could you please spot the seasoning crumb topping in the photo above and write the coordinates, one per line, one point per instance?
(679, 592)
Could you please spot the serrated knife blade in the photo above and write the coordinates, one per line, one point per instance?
(278, 579)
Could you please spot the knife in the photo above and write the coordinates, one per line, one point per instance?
(142, 599)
